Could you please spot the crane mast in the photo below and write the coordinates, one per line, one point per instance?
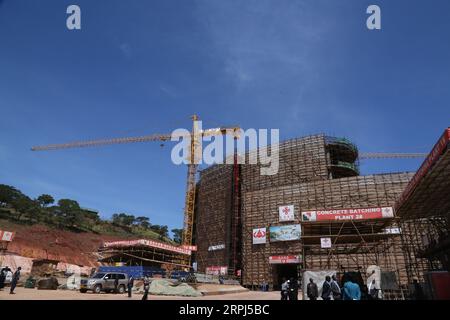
(189, 206)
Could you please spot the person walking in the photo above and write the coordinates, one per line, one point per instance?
(146, 288)
(335, 288)
(15, 279)
(130, 285)
(312, 291)
(326, 289)
(351, 290)
(284, 289)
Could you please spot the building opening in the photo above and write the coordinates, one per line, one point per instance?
(286, 271)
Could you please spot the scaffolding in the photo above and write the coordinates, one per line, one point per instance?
(356, 244)
(213, 217)
(142, 253)
(424, 211)
(315, 173)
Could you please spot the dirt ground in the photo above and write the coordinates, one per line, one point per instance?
(34, 294)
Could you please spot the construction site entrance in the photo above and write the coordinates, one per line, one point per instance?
(284, 271)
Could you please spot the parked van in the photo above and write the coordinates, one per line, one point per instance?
(104, 281)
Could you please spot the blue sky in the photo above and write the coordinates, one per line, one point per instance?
(141, 67)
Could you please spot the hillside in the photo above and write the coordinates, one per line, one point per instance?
(40, 241)
(64, 231)
(43, 242)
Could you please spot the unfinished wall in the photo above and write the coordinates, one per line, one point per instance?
(300, 160)
(213, 207)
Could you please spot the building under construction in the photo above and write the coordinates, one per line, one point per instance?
(335, 219)
(424, 212)
(142, 252)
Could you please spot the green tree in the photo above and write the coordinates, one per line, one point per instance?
(143, 222)
(45, 200)
(177, 235)
(8, 194)
(123, 219)
(91, 215)
(22, 205)
(70, 212)
(162, 231)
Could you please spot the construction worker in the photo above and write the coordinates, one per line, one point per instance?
(311, 290)
(146, 288)
(130, 285)
(14, 280)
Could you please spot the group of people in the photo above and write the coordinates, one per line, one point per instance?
(289, 289)
(15, 278)
(331, 290)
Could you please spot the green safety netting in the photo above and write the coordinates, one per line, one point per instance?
(342, 141)
(347, 165)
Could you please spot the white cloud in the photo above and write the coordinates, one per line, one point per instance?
(260, 40)
(168, 90)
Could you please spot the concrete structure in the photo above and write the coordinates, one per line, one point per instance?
(235, 203)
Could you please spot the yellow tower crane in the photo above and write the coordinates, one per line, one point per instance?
(193, 158)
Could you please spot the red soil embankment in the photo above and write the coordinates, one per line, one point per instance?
(42, 242)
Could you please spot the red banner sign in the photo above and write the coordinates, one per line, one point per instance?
(148, 243)
(431, 159)
(217, 270)
(284, 259)
(348, 214)
(192, 248)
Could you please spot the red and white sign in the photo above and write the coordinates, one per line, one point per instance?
(6, 236)
(192, 248)
(284, 259)
(325, 243)
(217, 270)
(348, 214)
(431, 159)
(148, 243)
(286, 213)
(259, 236)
